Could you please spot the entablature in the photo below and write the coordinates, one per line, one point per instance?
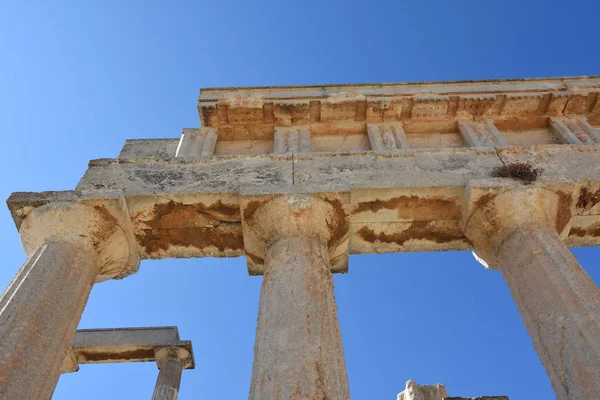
(252, 113)
(401, 173)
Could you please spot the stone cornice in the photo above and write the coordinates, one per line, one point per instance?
(239, 113)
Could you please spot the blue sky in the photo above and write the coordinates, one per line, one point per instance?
(78, 78)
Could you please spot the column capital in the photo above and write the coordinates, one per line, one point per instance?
(93, 227)
(266, 219)
(492, 213)
(174, 353)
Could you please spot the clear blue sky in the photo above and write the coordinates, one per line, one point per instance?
(78, 78)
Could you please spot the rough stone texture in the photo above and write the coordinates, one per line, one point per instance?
(95, 227)
(47, 296)
(204, 195)
(221, 174)
(268, 218)
(197, 143)
(149, 148)
(413, 391)
(397, 164)
(329, 107)
(298, 350)
(494, 213)
(71, 246)
(402, 169)
(517, 231)
(98, 346)
(171, 361)
(564, 326)
(565, 163)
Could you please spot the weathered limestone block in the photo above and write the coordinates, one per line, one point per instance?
(558, 101)
(583, 130)
(209, 175)
(470, 136)
(580, 130)
(149, 148)
(343, 106)
(521, 103)
(197, 143)
(561, 130)
(413, 391)
(387, 136)
(495, 134)
(430, 106)
(518, 230)
(70, 246)
(384, 108)
(292, 140)
(581, 102)
(433, 168)
(296, 112)
(241, 109)
(561, 163)
(298, 350)
(120, 345)
(470, 106)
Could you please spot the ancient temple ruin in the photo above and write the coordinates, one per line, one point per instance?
(297, 178)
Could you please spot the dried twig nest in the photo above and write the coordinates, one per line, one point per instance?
(521, 171)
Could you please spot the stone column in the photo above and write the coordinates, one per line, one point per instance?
(518, 232)
(70, 247)
(298, 351)
(171, 362)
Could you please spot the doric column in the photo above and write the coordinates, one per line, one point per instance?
(171, 361)
(70, 246)
(298, 350)
(518, 232)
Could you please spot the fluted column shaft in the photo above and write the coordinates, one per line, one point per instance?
(298, 351)
(168, 381)
(298, 347)
(171, 362)
(39, 313)
(560, 307)
(517, 232)
(70, 247)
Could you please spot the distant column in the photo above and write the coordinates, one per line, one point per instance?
(298, 351)
(171, 362)
(70, 246)
(517, 232)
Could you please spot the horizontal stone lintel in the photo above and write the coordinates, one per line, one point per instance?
(405, 201)
(100, 346)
